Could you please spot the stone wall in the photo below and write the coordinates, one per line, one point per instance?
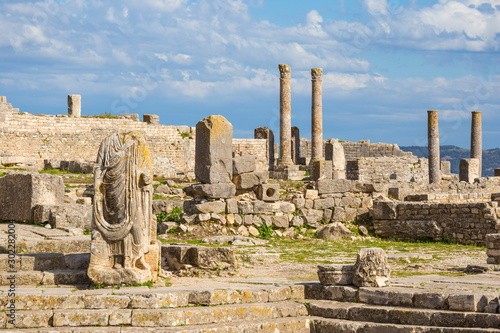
(256, 147)
(36, 138)
(356, 150)
(375, 169)
(456, 222)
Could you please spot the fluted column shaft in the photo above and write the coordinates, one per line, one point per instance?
(285, 117)
(317, 115)
(476, 139)
(433, 147)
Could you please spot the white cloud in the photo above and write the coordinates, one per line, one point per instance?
(376, 6)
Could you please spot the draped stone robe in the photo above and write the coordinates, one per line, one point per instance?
(122, 213)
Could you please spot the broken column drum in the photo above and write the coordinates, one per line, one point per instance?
(123, 221)
(316, 116)
(476, 140)
(285, 117)
(74, 105)
(433, 147)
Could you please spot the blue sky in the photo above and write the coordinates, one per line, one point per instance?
(385, 63)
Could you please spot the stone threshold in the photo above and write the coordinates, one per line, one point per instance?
(465, 301)
(29, 299)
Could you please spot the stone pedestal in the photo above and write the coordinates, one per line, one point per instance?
(317, 116)
(266, 133)
(469, 169)
(285, 118)
(476, 139)
(214, 154)
(445, 168)
(322, 170)
(334, 151)
(74, 105)
(433, 147)
(335, 274)
(284, 172)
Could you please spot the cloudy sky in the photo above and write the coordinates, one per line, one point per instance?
(385, 63)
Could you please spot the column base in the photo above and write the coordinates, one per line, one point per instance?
(284, 172)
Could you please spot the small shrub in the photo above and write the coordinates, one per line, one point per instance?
(176, 214)
(265, 232)
(161, 217)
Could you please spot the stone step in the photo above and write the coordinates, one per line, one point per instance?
(407, 297)
(49, 277)
(144, 298)
(401, 315)
(153, 318)
(341, 326)
(283, 325)
(76, 244)
(46, 262)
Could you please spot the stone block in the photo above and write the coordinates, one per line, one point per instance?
(214, 155)
(385, 210)
(3, 99)
(469, 169)
(267, 134)
(322, 170)
(329, 186)
(51, 164)
(210, 207)
(64, 216)
(335, 274)
(20, 193)
(445, 167)
(213, 191)
(231, 206)
(247, 181)
(244, 164)
(371, 268)
(152, 119)
(335, 231)
(268, 192)
(280, 221)
(74, 105)
(285, 172)
(497, 172)
(199, 256)
(131, 116)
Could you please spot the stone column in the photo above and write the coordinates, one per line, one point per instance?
(295, 145)
(74, 105)
(433, 147)
(285, 118)
(317, 116)
(476, 140)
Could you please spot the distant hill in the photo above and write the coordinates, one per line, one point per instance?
(491, 157)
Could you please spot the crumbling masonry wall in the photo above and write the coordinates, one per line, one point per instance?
(36, 138)
(456, 222)
(375, 169)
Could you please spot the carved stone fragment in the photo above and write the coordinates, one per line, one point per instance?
(124, 247)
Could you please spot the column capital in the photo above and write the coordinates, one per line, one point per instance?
(316, 73)
(284, 71)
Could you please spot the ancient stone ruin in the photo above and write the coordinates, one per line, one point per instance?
(216, 233)
(124, 247)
